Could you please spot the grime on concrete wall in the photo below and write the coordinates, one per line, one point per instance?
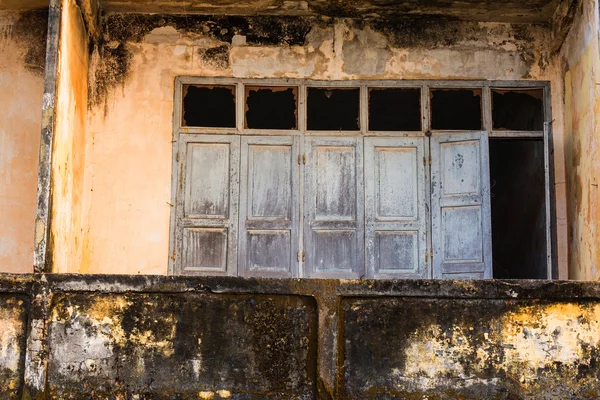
(582, 149)
(136, 60)
(154, 337)
(22, 54)
(471, 349)
(13, 330)
(69, 142)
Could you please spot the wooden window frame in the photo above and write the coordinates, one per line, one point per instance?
(424, 85)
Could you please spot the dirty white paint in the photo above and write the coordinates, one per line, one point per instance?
(207, 213)
(460, 206)
(333, 204)
(395, 201)
(269, 206)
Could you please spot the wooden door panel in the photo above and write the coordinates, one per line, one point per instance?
(269, 206)
(207, 205)
(269, 251)
(396, 183)
(395, 208)
(461, 168)
(269, 181)
(207, 180)
(205, 249)
(461, 209)
(335, 183)
(333, 208)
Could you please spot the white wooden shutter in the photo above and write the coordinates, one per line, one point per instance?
(269, 207)
(334, 218)
(207, 205)
(461, 220)
(395, 202)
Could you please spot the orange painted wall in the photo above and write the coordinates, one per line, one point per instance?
(69, 142)
(21, 91)
(129, 150)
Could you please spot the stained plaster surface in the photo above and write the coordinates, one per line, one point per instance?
(69, 140)
(21, 86)
(127, 193)
(156, 337)
(582, 149)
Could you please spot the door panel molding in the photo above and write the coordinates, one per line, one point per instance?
(395, 208)
(461, 207)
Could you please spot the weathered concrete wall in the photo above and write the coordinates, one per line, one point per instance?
(69, 140)
(13, 333)
(166, 345)
(98, 337)
(128, 162)
(486, 349)
(579, 57)
(22, 51)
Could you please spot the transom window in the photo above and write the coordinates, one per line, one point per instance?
(354, 179)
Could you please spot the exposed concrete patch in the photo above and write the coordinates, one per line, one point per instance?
(164, 34)
(366, 52)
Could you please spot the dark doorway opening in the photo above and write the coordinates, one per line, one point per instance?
(209, 106)
(396, 109)
(271, 107)
(333, 109)
(456, 109)
(517, 181)
(518, 110)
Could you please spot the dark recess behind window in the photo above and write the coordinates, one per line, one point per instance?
(518, 110)
(271, 107)
(209, 106)
(518, 208)
(394, 109)
(456, 109)
(333, 109)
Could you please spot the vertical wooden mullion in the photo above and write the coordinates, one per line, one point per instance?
(426, 127)
(550, 190)
(301, 208)
(487, 124)
(240, 106)
(175, 163)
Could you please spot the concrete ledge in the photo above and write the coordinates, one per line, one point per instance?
(156, 337)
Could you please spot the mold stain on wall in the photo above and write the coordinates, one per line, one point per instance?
(137, 57)
(471, 349)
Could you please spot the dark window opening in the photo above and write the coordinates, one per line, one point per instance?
(518, 208)
(333, 109)
(271, 107)
(518, 110)
(209, 106)
(456, 109)
(394, 109)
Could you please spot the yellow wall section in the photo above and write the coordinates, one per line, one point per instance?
(583, 166)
